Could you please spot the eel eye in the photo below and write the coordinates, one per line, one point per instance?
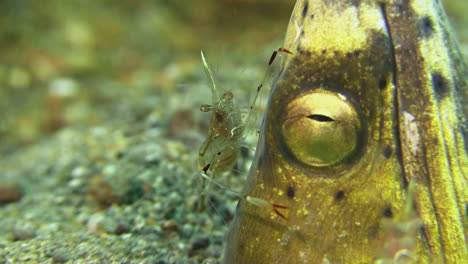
(321, 128)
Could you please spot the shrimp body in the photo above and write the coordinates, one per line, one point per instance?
(220, 150)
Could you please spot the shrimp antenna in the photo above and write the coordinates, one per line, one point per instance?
(210, 75)
(269, 71)
(253, 200)
(210, 179)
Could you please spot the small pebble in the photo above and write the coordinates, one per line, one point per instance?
(198, 244)
(10, 193)
(122, 228)
(61, 255)
(100, 223)
(170, 226)
(95, 223)
(23, 231)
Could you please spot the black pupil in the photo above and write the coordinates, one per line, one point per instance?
(321, 118)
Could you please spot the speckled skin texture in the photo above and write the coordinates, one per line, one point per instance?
(396, 63)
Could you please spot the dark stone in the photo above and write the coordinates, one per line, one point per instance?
(199, 244)
(10, 193)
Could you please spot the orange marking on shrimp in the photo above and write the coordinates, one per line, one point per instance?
(221, 148)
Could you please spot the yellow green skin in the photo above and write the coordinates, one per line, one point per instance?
(394, 64)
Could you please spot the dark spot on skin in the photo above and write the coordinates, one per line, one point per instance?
(299, 49)
(427, 27)
(302, 52)
(388, 212)
(291, 192)
(387, 152)
(241, 246)
(424, 234)
(305, 9)
(440, 84)
(339, 195)
(382, 84)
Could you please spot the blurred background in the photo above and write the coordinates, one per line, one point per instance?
(100, 123)
(84, 62)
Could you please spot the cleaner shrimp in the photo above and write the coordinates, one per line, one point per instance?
(220, 151)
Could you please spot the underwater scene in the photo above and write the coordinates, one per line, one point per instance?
(233, 131)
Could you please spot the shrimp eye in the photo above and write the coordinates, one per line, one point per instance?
(206, 108)
(321, 128)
